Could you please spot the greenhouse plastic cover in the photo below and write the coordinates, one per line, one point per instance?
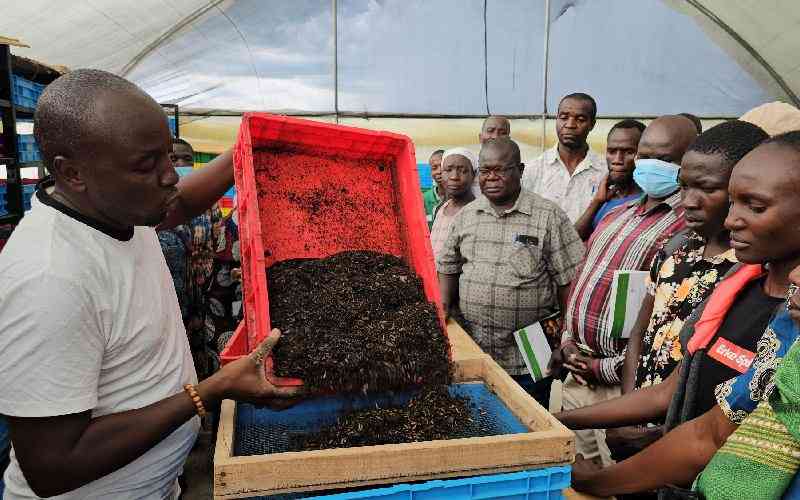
(429, 57)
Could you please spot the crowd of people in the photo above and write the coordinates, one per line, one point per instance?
(111, 329)
(711, 219)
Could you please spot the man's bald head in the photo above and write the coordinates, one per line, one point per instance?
(502, 147)
(108, 146)
(494, 127)
(68, 117)
(667, 138)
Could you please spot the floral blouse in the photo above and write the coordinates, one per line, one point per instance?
(679, 284)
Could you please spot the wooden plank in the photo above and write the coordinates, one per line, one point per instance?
(227, 426)
(393, 481)
(461, 344)
(14, 42)
(350, 467)
(548, 444)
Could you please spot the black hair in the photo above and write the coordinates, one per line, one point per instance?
(582, 97)
(628, 124)
(697, 123)
(789, 139)
(504, 142)
(65, 114)
(732, 140)
(437, 152)
(177, 140)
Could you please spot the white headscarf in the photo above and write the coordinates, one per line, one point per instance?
(466, 153)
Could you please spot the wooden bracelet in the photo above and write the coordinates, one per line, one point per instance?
(198, 403)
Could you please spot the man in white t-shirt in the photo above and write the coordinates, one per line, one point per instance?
(93, 354)
(570, 172)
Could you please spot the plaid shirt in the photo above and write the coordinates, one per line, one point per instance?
(627, 238)
(510, 265)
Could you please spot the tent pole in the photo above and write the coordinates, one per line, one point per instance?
(747, 47)
(335, 61)
(545, 67)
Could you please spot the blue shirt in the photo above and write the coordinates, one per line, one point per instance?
(611, 205)
(739, 396)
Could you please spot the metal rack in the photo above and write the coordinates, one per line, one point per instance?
(10, 112)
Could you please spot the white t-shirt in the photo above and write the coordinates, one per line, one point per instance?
(91, 322)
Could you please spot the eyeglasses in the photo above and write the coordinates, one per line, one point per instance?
(499, 172)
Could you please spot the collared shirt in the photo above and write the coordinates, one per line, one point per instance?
(510, 266)
(548, 177)
(627, 238)
(679, 285)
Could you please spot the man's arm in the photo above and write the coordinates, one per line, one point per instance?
(201, 189)
(61, 453)
(563, 298)
(634, 349)
(448, 288)
(584, 224)
(675, 459)
(637, 407)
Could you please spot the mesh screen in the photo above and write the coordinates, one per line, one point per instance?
(261, 431)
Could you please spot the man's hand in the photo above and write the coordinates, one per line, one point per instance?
(624, 442)
(579, 364)
(583, 471)
(604, 192)
(245, 380)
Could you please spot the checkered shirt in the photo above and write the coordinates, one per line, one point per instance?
(510, 266)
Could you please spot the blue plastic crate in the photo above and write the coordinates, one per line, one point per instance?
(540, 484)
(27, 149)
(425, 178)
(26, 93)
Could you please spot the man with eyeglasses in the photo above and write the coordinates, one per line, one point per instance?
(508, 260)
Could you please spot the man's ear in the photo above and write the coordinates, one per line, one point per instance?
(521, 168)
(594, 122)
(68, 173)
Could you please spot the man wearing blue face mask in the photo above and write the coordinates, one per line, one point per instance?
(626, 239)
(189, 250)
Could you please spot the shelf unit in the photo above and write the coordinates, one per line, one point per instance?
(10, 114)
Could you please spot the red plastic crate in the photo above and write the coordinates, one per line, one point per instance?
(308, 190)
(226, 202)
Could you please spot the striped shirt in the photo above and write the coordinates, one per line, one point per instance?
(510, 267)
(628, 238)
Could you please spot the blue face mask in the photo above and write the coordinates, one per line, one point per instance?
(657, 178)
(183, 171)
